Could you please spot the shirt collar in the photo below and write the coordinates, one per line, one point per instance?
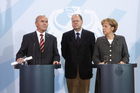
(38, 33)
(78, 32)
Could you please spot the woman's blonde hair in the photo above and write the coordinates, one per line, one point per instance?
(112, 22)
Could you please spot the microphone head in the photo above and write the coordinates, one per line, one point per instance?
(28, 58)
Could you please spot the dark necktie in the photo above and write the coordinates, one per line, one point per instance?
(77, 36)
(78, 39)
(41, 43)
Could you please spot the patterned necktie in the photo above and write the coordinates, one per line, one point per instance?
(41, 43)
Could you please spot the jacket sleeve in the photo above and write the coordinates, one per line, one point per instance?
(125, 54)
(96, 53)
(64, 46)
(56, 53)
(23, 49)
(93, 42)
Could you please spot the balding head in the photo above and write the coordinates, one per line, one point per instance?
(77, 22)
(40, 16)
(41, 23)
(78, 15)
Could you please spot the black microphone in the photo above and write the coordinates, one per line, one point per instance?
(34, 53)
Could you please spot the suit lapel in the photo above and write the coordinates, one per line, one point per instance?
(83, 37)
(36, 42)
(105, 41)
(46, 42)
(115, 41)
(72, 38)
(72, 35)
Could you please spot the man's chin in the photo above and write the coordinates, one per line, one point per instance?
(77, 29)
(44, 30)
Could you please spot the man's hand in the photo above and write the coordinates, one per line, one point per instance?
(20, 60)
(56, 62)
(102, 63)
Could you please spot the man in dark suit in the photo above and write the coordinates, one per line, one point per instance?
(77, 50)
(40, 45)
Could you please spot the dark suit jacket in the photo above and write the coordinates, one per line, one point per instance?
(78, 58)
(112, 53)
(30, 47)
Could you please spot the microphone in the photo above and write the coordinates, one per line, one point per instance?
(34, 52)
(25, 59)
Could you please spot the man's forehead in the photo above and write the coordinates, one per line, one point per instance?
(42, 17)
(75, 16)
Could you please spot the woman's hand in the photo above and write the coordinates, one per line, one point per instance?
(121, 62)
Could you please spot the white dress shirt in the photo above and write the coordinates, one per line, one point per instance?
(38, 35)
(80, 32)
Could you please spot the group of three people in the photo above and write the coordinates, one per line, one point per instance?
(79, 50)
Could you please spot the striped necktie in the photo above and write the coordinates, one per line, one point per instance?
(41, 43)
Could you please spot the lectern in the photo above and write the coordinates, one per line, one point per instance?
(115, 78)
(37, 78)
